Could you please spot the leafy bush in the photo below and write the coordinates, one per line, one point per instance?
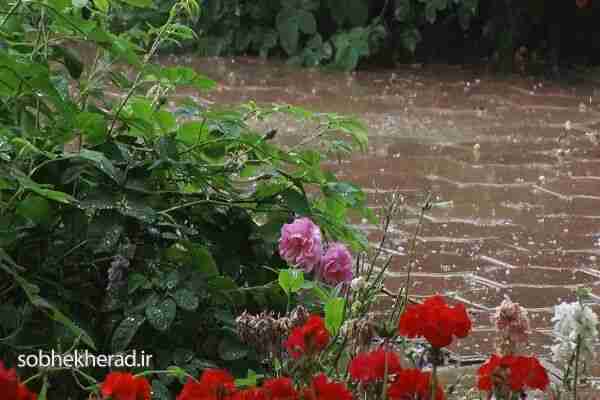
(127, 221)
(311, 32)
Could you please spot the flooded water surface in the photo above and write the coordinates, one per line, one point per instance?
(515, 162)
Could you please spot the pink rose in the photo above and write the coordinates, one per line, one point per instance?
(300, 244)
(336, 265)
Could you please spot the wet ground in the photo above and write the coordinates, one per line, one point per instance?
(514, 161)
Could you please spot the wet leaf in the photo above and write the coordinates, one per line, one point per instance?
(126, 331)
(100, 161)
(160, 391)
(186, 299)
(162, 315)
(171, 280)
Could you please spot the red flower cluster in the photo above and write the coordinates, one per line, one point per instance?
(514, 372)
(11, 388)
(309, 338)
(436, 321)
(323, 389)
(371, 366)
(219, 385)
(214, 384)
(280, 389)
(412, 384)
(125, 386)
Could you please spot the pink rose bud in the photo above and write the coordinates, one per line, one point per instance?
(300, 244)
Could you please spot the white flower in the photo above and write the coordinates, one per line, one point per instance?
(358, 283)
(572, 322)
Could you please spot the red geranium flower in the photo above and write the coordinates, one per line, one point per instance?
(323, 389)
(435, 321)
(214, 384)
(250, 394)
(24, 394)
(309, 338)
(582, 3)
(125, 386)
(280, 389)
(369, 367)
(11, 388)
(513, 372)
(413, 384)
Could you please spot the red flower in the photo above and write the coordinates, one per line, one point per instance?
(280, 389)
(369, 367)
(323, 389)
(214, 384)
(582, 3)
(435, 321)
(125, 386)
(412, 384)
(24, 394)
(308, 339)
(516, 373)
(250, 394)
(11, 388)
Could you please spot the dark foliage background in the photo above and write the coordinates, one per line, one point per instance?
(343, 33)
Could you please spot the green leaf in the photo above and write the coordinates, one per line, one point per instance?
(251, 379)
(410, 38)
(139, 3)
(186, 299)
(135, 282)
(101, 162)
(72, 63)
(402, 10)
(165, 120)
(192, 132)
(288, 31)
(171, 280)
(126, 331)
(93, 127)
(296, 201)
(306, 22)
(54, 195)
(162, 315)
(35, 208)
(291, 280)
(56, 315)
(102, 5)
(334, 314)
(203, 261)
(160, 391)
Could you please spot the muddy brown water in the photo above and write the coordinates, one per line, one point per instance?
(515, 160)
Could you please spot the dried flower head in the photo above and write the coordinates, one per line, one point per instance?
(512, 325)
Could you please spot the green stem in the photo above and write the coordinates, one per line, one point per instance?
(576, 372)
(10, 12)
(435, 353)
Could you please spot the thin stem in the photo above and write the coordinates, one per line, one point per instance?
(413, 248)
(576, 372)
(10, 12)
